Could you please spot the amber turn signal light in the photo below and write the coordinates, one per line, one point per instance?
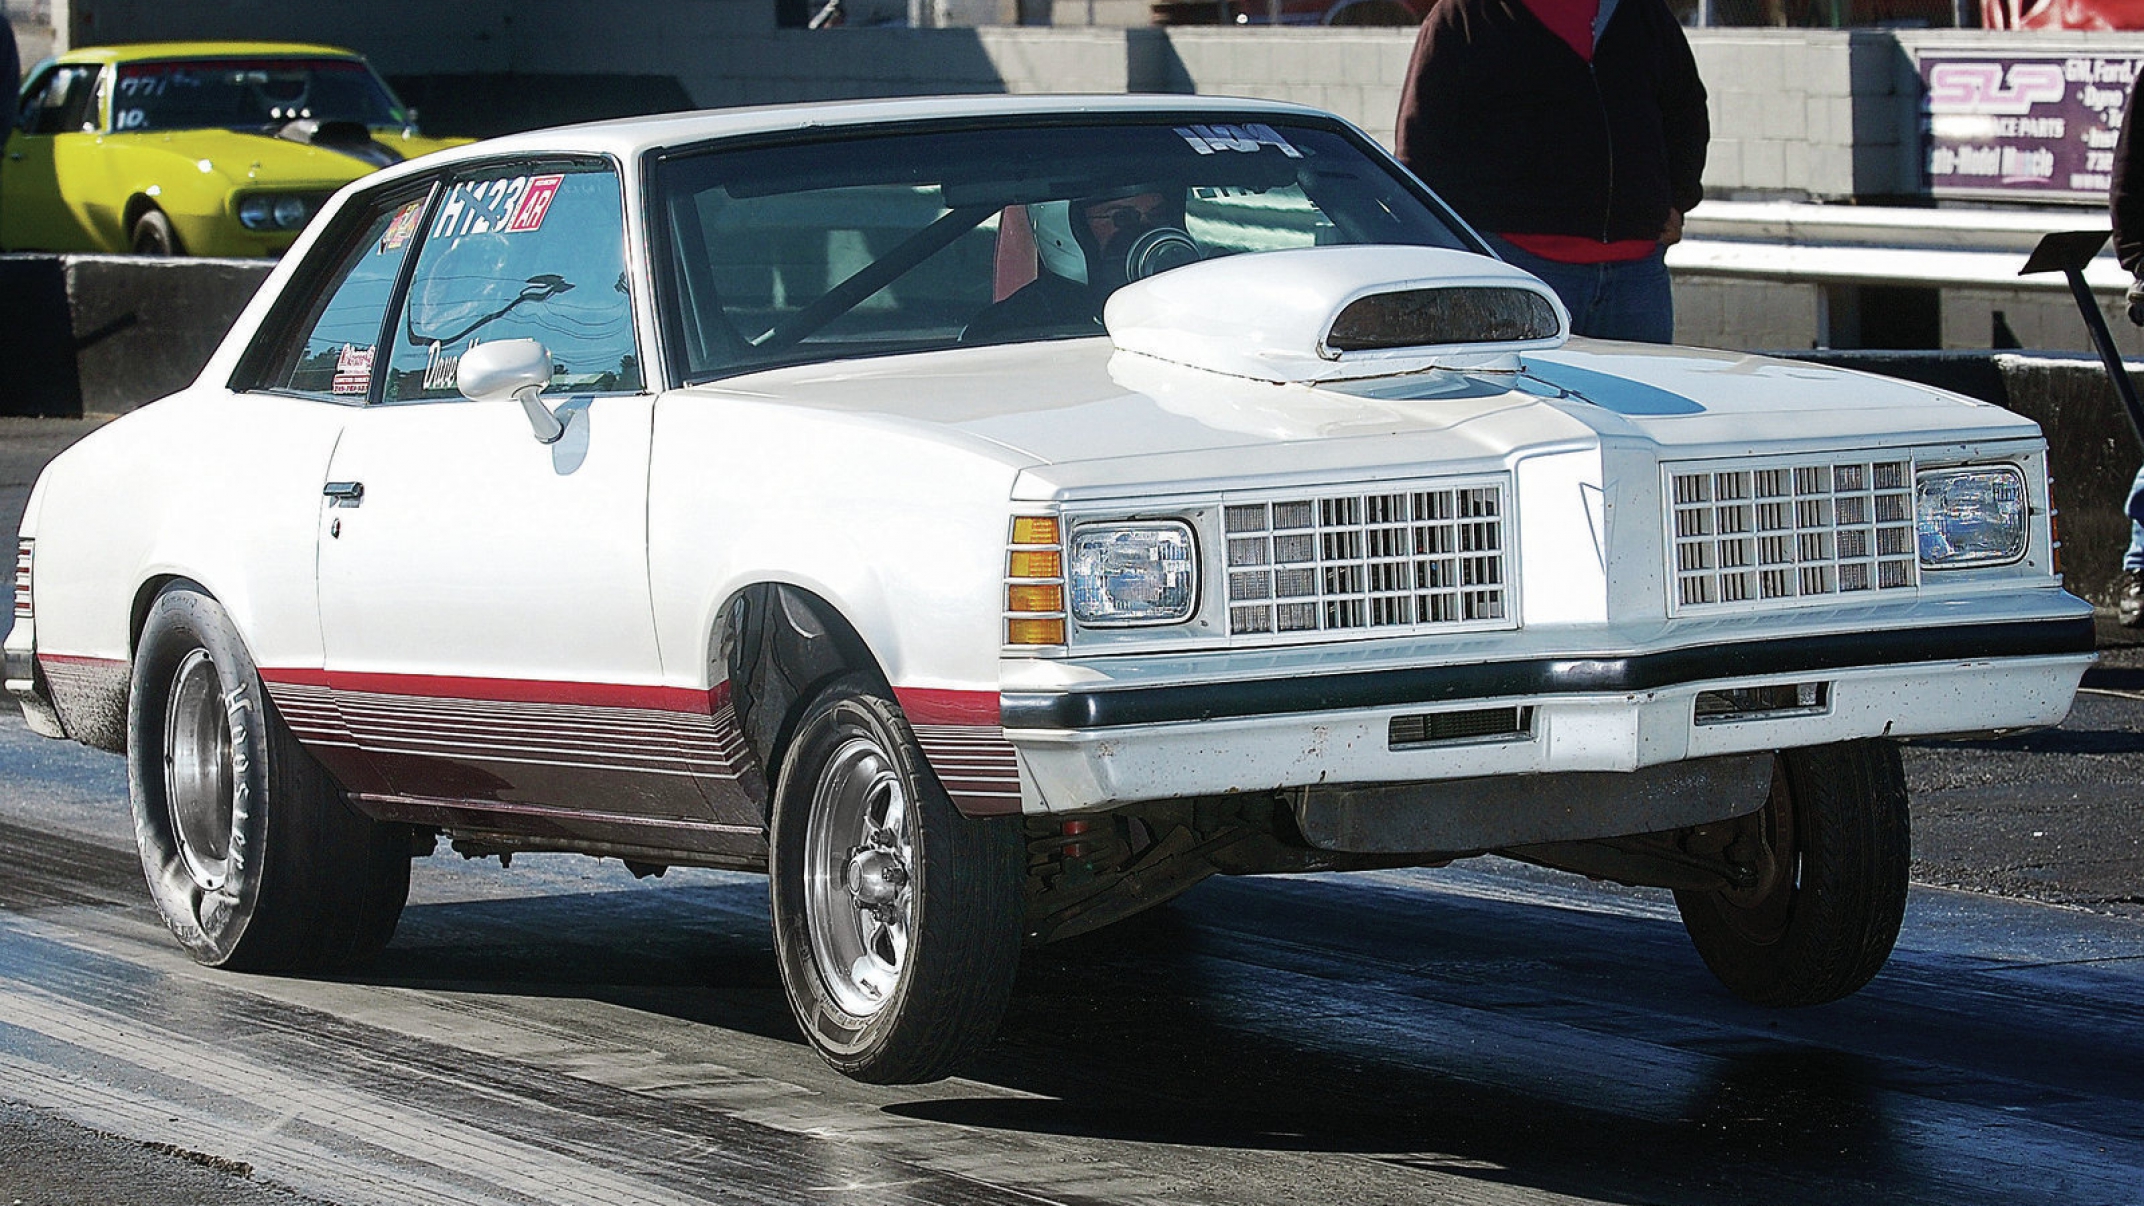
(1035, 529)
(1022, 631)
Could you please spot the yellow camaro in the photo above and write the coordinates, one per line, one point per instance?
(193, 148)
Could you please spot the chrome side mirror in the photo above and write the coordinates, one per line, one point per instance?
(511, 368)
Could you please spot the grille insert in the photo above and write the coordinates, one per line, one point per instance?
(1390, 561)
(1777, 534)
(1437, 728)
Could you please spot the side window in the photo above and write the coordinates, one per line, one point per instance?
(520, 256)
(61, 103)
(334, 356)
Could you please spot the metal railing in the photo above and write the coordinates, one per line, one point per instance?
(1853, 244)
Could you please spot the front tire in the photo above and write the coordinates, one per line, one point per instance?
(152, 234)
(1825, 908)
(253, 857)
(896, 919)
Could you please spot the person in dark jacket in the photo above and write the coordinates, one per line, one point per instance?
(2125, 205)
(1572, 134)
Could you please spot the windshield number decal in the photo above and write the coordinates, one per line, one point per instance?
(534, 204)
(1250, 139)
(129, 119)
(510, 204)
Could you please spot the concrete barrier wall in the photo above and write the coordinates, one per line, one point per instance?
(104, 334)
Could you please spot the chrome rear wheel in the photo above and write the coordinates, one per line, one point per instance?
(198, 778)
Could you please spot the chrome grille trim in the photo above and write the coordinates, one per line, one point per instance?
(1760, 534)
(1414, 557)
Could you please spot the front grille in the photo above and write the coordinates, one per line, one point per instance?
(22, 579)
(1415, 558)
(1775, 534)
(1438, 728)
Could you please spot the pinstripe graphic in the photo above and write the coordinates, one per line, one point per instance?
(977, 765)
(965, 745)
(648, 731)
(639, 740)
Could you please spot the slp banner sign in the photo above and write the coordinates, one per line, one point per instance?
(2023, 126)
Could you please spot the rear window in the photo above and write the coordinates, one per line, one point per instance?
(886, 243)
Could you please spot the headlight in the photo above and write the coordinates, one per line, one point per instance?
(266, 211)
(256, 213)
(1132, 573)
(1969, 517)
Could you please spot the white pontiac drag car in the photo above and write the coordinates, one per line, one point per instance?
(990, 517)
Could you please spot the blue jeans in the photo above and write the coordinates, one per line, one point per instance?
(2134, 558)
(1629, 300)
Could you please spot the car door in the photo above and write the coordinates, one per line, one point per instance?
(484, 600)
(56, 117)
(305, 374)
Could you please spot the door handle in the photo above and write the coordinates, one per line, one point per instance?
(344, 494)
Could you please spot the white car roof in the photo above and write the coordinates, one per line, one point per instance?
(629, 137)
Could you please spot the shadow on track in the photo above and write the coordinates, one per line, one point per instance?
(1585, 1053)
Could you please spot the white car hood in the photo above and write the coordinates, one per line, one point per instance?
(1083, 418)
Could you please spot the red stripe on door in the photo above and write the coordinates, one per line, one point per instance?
(504, 690)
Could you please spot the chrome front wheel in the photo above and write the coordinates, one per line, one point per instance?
(896, 919)
(860, 905)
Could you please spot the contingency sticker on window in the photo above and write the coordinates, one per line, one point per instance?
(1247, 138)
(511, 205)
(353, 370)
(400, 230)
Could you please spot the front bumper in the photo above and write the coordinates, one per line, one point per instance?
(1097, 747)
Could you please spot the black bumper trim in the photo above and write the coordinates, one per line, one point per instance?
(1540, 676)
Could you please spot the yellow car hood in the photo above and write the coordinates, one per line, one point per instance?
(244, 158)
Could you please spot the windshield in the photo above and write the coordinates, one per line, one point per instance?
(193, 94)
(903, 242)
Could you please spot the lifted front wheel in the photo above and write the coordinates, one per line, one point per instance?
(1819, 911)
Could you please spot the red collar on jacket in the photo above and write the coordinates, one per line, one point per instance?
(1571, 20)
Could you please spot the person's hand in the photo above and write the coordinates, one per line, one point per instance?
(2136, 302)
(1671, 234)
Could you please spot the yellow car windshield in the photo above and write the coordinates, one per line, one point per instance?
(193, 94)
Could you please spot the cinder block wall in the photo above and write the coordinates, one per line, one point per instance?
(1787, 107)
(1815, 114)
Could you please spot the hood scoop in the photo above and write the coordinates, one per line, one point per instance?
(350, 138)
(1338, 314)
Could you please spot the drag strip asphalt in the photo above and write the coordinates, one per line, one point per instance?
(1486, 1033)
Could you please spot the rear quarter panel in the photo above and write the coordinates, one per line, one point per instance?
(217, 488)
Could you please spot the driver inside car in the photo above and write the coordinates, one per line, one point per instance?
(1085, 250)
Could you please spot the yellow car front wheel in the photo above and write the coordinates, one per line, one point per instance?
(152, 235)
